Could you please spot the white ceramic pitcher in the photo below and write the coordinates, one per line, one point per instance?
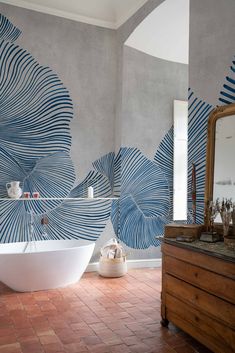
(14, 190)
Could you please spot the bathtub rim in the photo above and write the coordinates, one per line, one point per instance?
(48, 251)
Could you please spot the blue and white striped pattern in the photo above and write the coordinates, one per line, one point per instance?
(85, 219)
(8, 31)
(105, 166)
(10, 169)
(52, 176)
(98, 181)
(198, 113)
(227, 95)
(164, 159)
(144, 201)
(72, 219)
(15, 222)
(117, 174)
(35, 114)
(35, 107)
(145, 182)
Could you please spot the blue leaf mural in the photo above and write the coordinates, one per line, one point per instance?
(198, 113)
(10, 170)
(15, 222)
(117, 174)
(105, 166)
(227, 95)
(144, 200)
(99, 182)
(35, 107)
(36, 111)
(52, 175)
(35, 116)
(73, 219)
(164, 159)
(8, 31)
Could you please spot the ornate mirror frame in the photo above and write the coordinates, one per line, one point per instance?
(218, 113)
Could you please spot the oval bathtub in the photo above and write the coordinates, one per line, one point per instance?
(43, 264)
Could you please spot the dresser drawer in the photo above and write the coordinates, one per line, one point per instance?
(213, 306)
(211, 332)
(210, 263)
(213, 283)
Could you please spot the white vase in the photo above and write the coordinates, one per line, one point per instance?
(14, 190)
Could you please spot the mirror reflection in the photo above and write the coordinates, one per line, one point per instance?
(224, 166)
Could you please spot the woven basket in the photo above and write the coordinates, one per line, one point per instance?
(112, 267)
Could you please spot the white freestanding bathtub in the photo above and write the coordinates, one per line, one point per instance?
(43, 264)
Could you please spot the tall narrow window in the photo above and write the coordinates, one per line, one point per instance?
(180, 160)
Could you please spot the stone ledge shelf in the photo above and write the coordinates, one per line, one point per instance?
(58, 198)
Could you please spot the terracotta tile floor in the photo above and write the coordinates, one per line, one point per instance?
(97, 315)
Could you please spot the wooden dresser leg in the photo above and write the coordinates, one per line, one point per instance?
(164, 322)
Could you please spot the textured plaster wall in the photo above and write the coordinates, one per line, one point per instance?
(211, 46)
(146, 87)
(149, 87)
(108, 84)
(84, 57)
(123, 33)
(211, 72)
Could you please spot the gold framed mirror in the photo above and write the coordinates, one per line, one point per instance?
(220, 166)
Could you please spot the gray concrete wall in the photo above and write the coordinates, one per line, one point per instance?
(102, 78)
(211, 46)
(84, 57)
(146, 88)
(123, 33)
(211, 53)
(149, 87)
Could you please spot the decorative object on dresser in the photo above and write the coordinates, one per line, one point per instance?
(183, 232)
(198, 278)
(211, 211)
(225, 210)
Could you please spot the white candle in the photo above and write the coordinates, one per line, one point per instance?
(90, 192)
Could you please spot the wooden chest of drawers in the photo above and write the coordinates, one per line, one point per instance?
(198, 294)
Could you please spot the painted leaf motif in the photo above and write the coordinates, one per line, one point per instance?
(35, 107)
(117, 174)
(227, 95)
(10, 170)
(8, 31)
(15, 222)
(105, 166)
(198, 114)
(73, 219)
(99, 182)
(145, 181)
(164, 159)
(36, 111)
(52, 176)
(137, 230)
(144, 201)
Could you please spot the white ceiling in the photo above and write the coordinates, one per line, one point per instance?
(105, 13)
(165, 32)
